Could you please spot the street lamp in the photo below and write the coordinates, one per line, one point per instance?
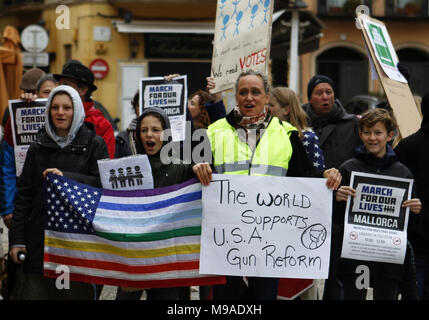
(294, 7)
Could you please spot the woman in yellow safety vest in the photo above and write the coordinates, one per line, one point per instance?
(249, 141)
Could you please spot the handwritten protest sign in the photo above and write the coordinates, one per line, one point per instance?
(171, 96)
(128, 173)
(375, 225)
(266, 227)
(384, 59)
(26, 119)
(242, 40)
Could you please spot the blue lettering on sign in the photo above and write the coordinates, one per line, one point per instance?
(377, 190)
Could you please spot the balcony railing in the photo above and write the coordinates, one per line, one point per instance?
(5, 4)
(406, 8)
(341, 7)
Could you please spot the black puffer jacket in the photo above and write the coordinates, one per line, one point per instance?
(77, 161)
(338, 133)
(367, 163)
(413, 151)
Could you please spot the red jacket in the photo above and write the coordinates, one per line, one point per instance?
(103, 128)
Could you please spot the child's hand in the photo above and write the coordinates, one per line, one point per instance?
(344, 192)
(204, 173)
(334, 178)
(414, 204)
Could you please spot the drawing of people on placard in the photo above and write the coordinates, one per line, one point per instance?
(235, 4)
(122, 178)
(113, 179)
(130, 177)
(254, 12)
(221, 7)
(138, 175)
(266, 6)
(237, 22)
(224, 22)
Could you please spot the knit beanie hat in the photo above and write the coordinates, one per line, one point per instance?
(315, 81)
(30, 78)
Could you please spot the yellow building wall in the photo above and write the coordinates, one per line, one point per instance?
(84, 16)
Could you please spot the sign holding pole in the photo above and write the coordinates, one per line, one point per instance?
(385, 61)
(242, 40)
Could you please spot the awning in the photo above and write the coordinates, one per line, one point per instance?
(154, 26)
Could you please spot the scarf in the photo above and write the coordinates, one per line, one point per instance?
(249, 129)
(318, 121)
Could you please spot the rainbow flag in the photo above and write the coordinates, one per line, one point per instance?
(145, 238)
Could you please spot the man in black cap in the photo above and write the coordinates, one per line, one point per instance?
(80, 78)
(338, 137)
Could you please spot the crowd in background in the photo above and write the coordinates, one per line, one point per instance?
(315, 139)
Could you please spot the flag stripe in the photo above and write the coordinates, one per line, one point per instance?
(166, 227)
(151, 192)
(149, 206)
(124, 275)
(196, 204)
(135, 253)
(144, 222)
(185, 282)
(195, 239)
(121, 267)
(120, 259)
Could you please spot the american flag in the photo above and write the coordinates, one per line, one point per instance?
(144, 238)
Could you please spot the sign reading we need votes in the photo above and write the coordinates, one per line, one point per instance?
(242, 40)
(266, 227)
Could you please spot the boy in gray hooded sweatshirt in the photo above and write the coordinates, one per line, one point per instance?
(66, 146)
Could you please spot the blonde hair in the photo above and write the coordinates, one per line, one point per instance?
(297, 116)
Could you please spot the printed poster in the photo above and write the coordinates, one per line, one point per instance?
(124, 174)
(375, 224)
(266, 227)
(242, 40)
(383, 48)
(171, 96)
(26, 119)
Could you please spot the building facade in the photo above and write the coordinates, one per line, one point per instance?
(144, 38)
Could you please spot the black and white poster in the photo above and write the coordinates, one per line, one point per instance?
(375, 224)
(171, 96)
(128, 173)
(26, 119)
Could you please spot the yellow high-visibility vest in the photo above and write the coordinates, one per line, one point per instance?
(233, 156)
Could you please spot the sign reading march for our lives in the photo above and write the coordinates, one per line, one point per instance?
(375, 224)
(242, 40)
(266, 227)
(128, 173)
(171, 96)
(26, 119)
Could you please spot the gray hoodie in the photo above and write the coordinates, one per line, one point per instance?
(78, 116)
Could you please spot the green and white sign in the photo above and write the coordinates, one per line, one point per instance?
(383, 48)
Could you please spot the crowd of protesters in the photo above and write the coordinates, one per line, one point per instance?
(316, 139)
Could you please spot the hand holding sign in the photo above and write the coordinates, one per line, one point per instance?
(415, 205)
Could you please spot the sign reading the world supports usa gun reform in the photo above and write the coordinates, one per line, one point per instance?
(242, 40)
(26, 119)
(375, 224)
(266, 227)
(170, 96)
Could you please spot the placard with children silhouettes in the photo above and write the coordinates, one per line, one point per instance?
(129, 173)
